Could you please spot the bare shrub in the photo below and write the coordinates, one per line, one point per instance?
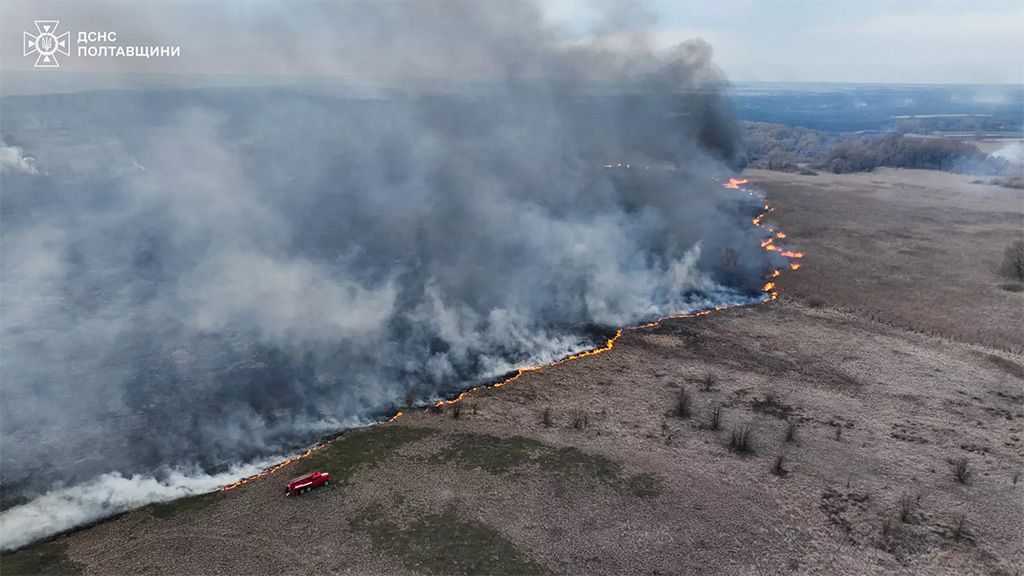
(839, 432)
(547, 419)
(707, 383)
(716, 418)
(456, 410)
(684, 404)
(741, 440)
(960, 527)
(909, 503)
(1013, 261)
(580, 420)
(962, 470)
(779, 466)
(791, 432)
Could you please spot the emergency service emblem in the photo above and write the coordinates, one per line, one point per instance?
(47, 44)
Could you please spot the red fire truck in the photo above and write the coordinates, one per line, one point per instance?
(306, 482)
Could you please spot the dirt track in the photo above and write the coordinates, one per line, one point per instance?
(889, 376)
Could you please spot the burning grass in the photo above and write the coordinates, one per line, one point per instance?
(445, 543)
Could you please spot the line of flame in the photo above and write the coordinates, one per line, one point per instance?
(768, 289)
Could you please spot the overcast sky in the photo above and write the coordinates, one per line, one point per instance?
(762, 40)
(856, 41)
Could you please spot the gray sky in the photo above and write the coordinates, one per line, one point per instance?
(762, 40)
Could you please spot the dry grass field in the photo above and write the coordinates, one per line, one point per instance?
(919, 249)
(870, 421)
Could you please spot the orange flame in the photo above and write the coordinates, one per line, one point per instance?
(735, 183)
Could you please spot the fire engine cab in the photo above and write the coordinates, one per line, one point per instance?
(306, 483)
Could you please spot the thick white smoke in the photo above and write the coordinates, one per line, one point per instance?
(64, 508)
(1012, 152)
(13, 160)
(205, 277)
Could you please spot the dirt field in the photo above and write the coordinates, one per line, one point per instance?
(891, 356)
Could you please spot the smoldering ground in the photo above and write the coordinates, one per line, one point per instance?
(206, 277)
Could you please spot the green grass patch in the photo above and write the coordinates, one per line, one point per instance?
(644, 485)
(499, 455)
(46, 558)
(445, 543)
(367, 448)
(343, 458)
(492, 453)
(573, 462)
(165, 510)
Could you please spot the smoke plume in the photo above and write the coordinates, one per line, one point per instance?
(204, 277)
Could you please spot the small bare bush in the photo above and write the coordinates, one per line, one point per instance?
(580, 420)
(909, 503)
(779, 466)
(960, 527)
(716, 418)
(741, 440)
(707, 383)
(547, 419)
(791, 432)
(1013, 261)
(456, 410)
(962, 470)
(684, 404)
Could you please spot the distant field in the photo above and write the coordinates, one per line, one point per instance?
(883, 107)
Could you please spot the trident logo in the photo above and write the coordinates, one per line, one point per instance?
(46, 44)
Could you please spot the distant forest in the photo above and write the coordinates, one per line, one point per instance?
(797, 149)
